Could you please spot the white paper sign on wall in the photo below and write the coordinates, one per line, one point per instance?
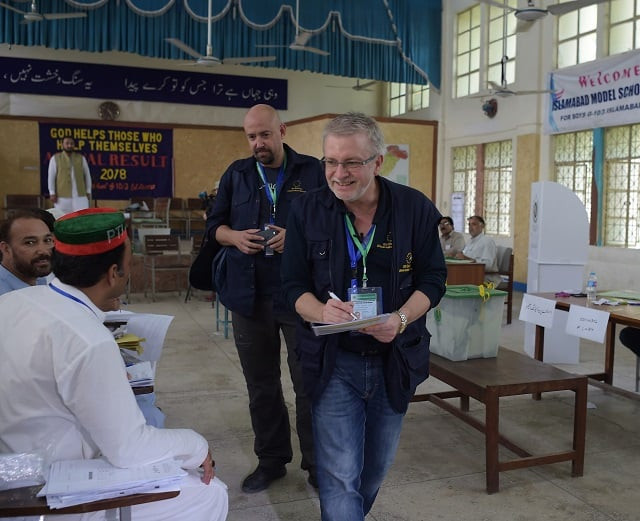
(587, 323)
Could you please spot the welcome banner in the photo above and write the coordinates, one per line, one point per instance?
(124, 162)
(603, 93)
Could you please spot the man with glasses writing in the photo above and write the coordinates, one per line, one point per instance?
(249, 218)
(364, 246)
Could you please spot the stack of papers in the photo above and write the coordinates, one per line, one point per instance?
(130, 341)
(75, 482)
(353, 325)
(140, 374)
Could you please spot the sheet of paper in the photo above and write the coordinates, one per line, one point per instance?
(537, 310)
(97, 475)
(354, 325)
(587, 323)
(153, 328)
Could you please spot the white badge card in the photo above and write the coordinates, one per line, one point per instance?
(367, 302)
(537, 310)
(587, 323)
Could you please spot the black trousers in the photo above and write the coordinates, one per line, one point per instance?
(257, 339)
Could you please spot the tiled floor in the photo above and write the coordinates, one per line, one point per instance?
(439, 469)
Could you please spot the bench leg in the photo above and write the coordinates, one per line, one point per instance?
(492, 437)
(579, 429)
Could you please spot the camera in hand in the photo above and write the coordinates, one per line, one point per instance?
(266, 235)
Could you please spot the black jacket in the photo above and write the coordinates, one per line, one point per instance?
(314, 262)
(238, 206)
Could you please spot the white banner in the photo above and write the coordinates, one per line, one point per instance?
(603, 93)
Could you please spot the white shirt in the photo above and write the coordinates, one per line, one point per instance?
(63, 386)
(482, 249)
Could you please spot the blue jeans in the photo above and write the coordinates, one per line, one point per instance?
(356, 434)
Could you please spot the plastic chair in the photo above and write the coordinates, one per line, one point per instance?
(505, 270)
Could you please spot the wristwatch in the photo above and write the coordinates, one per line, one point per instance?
(404, 321)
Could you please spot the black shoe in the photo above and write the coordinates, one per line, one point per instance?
(313, 480)
(261, 478)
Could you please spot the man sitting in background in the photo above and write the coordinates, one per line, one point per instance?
(481, 248)
(26, 241)
(452, 242)
(74, 399)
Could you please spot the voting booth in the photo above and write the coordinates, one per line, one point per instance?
(558, 244)
(466, 323)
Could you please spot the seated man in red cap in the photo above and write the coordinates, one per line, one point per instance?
(74, 400)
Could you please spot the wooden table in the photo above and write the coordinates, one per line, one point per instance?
(623, 314)
(465, 273)
(508, 374)
(24, 502)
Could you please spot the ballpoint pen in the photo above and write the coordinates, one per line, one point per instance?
(336, 297)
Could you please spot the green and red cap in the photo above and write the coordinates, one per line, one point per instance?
(90, 231)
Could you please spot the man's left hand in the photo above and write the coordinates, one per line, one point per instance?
(386, 331)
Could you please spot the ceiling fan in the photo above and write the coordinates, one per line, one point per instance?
(357, 87)
(208, 59)
(531, 13)
(33, 15)
(302, 37)
(502, 90)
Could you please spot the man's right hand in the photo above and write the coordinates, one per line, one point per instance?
(54, 198)
(247, 241)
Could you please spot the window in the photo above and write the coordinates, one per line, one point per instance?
(619, 205)
(467, 59)
(577, 36)
(502, 42)
(406, 98)
(397, 99)
(484, 173)
(621, 198)
(497, 187)
(624, 30)
(464, 177)
(573, 164)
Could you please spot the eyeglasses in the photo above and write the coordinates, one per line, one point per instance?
(350, 166)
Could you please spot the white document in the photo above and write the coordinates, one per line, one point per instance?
(587, 323)
(153, 328)
(537, 310)
(354, 325)
(98, 476)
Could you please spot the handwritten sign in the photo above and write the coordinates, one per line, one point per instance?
(587, 323)
(124, 162)
(537, 310)
(86, 80)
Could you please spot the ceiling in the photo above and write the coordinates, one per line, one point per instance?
(385, 40)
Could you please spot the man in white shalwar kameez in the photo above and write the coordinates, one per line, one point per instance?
(63, 384)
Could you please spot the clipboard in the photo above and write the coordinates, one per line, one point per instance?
(353, 325)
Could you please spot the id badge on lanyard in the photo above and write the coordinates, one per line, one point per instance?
(367, 301)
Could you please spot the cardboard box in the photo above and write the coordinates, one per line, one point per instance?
(466, 324)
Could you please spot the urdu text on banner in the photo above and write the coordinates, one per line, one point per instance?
(602, 93)
(124, 162)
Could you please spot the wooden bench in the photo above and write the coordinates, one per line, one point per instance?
(24, 502)
(509, 374)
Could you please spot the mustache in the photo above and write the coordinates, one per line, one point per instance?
(41, 258)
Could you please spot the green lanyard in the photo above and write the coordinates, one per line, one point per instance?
(272, 192)
(353, 242)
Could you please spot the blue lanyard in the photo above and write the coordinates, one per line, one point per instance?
(363, 248)
(70, 296)
(272, 193)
